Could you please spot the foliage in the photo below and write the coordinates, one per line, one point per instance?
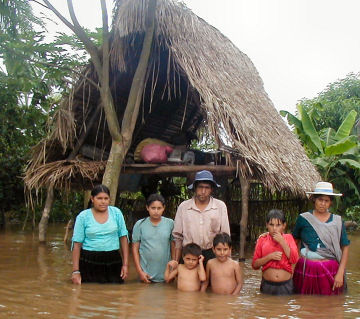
(34, 73)
(334, 152)
(353, 213)
(331, 106)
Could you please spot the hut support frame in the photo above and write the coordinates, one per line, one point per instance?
(245, 186)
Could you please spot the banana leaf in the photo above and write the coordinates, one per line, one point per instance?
(309, 128)
(346, 126)
(342, 146)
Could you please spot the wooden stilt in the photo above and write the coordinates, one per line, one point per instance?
(245, 186)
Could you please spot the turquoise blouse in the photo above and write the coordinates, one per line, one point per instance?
(100, 237)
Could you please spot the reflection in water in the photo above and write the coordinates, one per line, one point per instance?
(35, 283)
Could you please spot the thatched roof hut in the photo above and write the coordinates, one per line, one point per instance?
(195, 78)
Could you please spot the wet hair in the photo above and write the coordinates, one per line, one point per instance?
(100, 189)
(155, 197)
(276, 214)
(192, 249)
(222, 238)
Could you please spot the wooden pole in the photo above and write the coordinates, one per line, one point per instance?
(245, 186)
(46, 213)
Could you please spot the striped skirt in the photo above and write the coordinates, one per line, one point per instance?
(316, 277)
(100, 266)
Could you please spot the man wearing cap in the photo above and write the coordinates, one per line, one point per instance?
(200, 218)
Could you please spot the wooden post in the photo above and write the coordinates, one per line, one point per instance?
(46, 213)
(245, 185)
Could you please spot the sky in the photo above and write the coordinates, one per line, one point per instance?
(297, 46)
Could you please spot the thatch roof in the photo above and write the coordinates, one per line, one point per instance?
(196, 77)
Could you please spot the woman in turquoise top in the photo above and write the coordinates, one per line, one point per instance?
(152, 242)
(324, 246)
(100, 239)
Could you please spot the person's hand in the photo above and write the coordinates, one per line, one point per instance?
(173, 264)
(76, 278)
(144, 277)
(124, 272)
(276, 255)
(201, 259)
(263, 235)
(277, 236)
(338, 281)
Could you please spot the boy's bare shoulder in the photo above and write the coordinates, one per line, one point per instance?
(211, 262)
(233, 263)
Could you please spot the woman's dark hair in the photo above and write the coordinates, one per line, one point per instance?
(315, 196)
(155, 197)
(222, 238)
(192, 249)
(100, 189)
(276, 214)
(97, 190)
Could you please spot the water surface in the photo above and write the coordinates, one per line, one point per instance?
(35, 283)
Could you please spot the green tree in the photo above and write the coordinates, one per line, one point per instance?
(334, 152)
(331, 106)
(34, 72)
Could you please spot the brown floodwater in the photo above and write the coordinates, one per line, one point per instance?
(34, 281)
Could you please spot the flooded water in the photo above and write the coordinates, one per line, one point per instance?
(34, 281)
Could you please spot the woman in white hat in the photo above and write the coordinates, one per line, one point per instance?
(324, 246)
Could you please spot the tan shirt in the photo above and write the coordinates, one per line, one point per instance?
(193, 226)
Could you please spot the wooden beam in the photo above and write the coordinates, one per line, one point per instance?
(181, 169)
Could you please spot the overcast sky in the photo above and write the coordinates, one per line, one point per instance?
(298, 46)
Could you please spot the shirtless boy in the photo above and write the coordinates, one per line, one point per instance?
(222, 272)
(276, 253)
(191, 273)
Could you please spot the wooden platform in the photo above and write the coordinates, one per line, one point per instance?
(174, 168)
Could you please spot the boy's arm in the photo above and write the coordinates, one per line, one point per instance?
(238, 278)
(201, 269)
(205, 283)
(135, 251)
(170, 275)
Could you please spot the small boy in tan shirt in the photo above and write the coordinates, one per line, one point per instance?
(191, 273)
(224, 273)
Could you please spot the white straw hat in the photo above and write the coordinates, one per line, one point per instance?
(324, 188)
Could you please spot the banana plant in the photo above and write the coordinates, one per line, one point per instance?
(335, 153)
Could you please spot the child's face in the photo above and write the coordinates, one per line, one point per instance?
(222, 251)
(190, 261)
(155, 209)
(275, 226)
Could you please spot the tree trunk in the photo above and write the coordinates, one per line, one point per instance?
(120, 146)
(245, 185)
(46, 213)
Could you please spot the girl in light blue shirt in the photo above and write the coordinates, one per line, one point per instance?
(152, 242)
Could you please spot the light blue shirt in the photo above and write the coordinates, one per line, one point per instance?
(154, 248)
(99, 237)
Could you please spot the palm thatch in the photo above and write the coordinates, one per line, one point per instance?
(196, 77)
